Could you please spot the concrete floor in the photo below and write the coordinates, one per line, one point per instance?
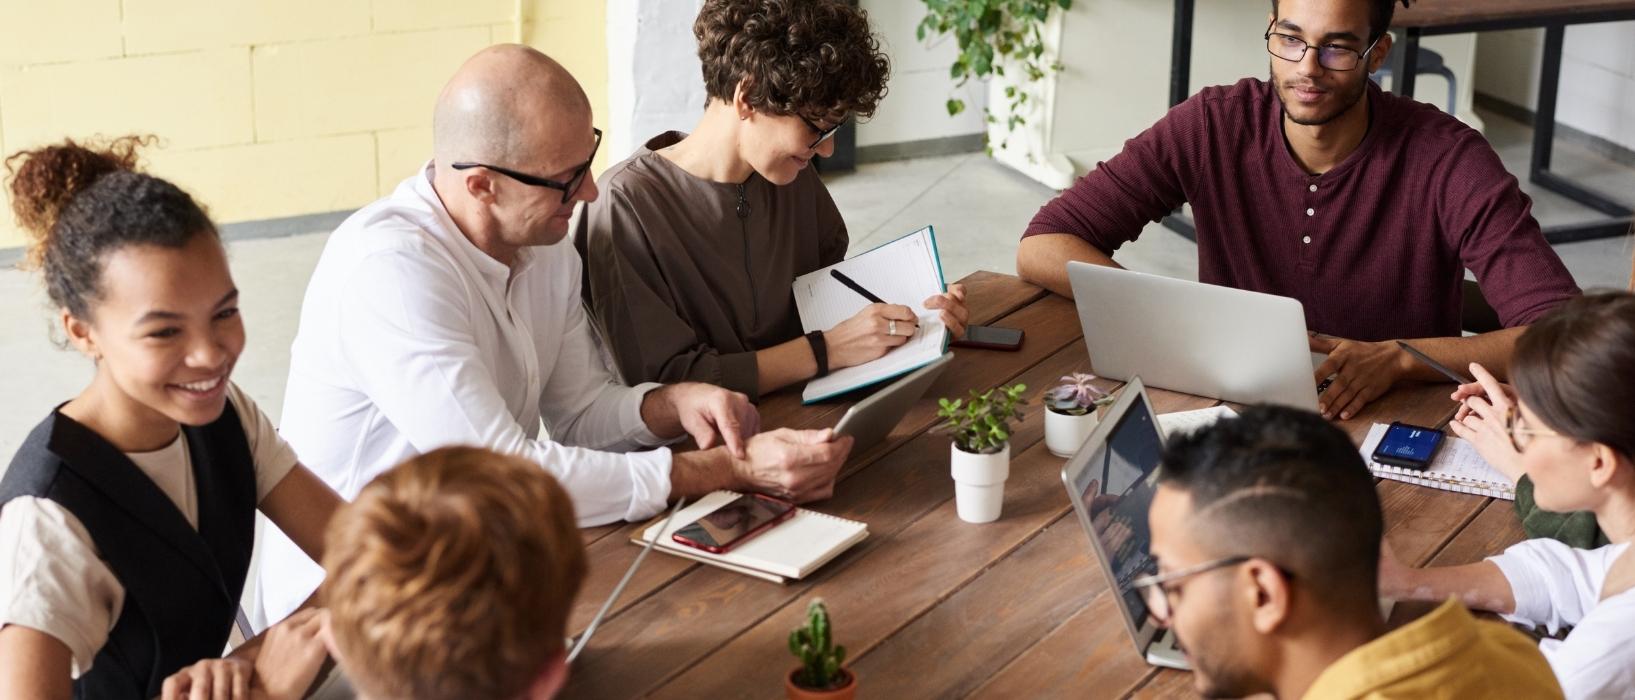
(978, 207)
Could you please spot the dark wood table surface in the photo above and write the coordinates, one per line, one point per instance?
(932, 607)
(1432, 14)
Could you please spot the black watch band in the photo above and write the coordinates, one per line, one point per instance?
(820, 352)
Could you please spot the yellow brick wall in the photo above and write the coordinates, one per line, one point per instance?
(266, 108)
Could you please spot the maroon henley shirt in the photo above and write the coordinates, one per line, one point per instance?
(1374, 249)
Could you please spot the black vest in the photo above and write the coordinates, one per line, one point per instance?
(181, 586)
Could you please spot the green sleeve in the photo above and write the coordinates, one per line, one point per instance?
(1575, 529)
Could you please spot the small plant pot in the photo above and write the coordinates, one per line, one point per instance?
(979, 483)
(846, 691)
(1065, 433)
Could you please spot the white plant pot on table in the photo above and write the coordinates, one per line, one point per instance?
(1065, 433)
(979, 483)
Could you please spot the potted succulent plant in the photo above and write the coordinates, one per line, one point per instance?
(1070, 413)
(980, 458)
(819, 675)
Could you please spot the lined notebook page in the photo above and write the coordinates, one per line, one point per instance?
(791, 549)
(1457, 467)
(905, 271)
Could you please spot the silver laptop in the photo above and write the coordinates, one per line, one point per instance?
(871, 420)
(1111, 482)
(1195, 338)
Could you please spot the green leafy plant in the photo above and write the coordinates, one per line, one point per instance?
(819, 660)
(1076, 396)
(992, 34)
(981, 424)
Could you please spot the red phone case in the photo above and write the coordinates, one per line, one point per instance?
(722, 549)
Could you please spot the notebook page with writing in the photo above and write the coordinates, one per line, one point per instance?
(905, 271)
(1457, 467)
(789, 550)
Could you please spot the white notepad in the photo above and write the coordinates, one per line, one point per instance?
(1457, 467)
(905, 271)
(791, 549)
(1175, 423)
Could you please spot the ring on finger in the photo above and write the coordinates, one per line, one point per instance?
(891, 328)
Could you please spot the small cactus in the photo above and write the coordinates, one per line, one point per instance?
(820, 660)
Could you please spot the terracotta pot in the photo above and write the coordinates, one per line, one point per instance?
(846, 691)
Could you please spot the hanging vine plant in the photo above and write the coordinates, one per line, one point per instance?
(991, 35)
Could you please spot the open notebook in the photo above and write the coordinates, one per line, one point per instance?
(1457, 467)
(789, 550)
(905, 271)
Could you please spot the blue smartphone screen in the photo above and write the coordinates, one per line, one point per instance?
(1409, 443)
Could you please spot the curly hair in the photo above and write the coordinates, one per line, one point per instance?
(451, 576)
(814, 58)
(79, 202)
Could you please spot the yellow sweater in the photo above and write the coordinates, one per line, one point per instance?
(1447, 655)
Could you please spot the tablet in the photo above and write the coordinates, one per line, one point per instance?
(871, 420)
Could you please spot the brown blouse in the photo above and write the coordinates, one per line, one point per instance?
(687, 278)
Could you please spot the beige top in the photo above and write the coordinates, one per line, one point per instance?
(683, 288)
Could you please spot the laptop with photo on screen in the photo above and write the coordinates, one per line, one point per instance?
(1110, 481)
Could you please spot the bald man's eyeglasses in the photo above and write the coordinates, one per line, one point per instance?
(568, 188)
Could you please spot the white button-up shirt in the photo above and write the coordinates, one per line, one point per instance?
(411, 339)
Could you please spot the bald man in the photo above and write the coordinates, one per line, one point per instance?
(445, 314)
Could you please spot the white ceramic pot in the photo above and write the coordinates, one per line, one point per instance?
(979, 483)
(1065, 434)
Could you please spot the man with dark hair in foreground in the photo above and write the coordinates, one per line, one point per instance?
(1267, 530)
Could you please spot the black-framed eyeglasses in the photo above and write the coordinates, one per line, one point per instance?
(1293, 49)
(1156, 589)
(568, 188)
(822, 134)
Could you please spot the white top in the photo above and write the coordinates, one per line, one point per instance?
(51, 577)
(412, 339)
(1557, 586)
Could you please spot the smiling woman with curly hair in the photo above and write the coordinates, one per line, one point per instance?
(690, 251)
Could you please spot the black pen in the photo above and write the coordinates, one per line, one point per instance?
(855, 286)
(1433, 364)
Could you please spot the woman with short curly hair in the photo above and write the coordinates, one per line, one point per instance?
(691, 249)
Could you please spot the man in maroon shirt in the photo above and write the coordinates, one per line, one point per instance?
(1316, 185)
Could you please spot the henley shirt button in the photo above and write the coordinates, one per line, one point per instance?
(1311, 212)
(1306, 239)
(1314, 188)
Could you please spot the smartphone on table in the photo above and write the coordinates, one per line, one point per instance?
(730, 525)
(990, 338)
(1408, 446)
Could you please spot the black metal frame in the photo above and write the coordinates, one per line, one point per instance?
(1403, 63)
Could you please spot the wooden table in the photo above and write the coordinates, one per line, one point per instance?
(932, 607)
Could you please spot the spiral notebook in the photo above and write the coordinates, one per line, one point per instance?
(789, 550)
(1457, 467)
(905, 271)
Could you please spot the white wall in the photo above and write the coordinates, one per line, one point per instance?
(654, 77)
(914, 108)
(1597, 93)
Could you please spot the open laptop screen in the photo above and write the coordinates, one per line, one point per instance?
(1123, 471)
